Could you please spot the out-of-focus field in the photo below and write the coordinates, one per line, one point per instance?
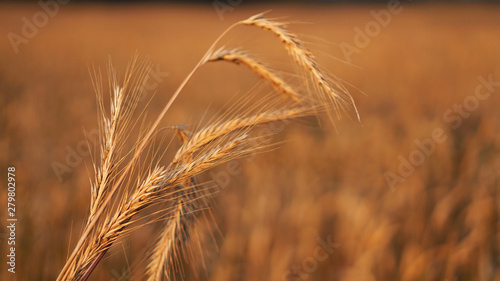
(440, 222)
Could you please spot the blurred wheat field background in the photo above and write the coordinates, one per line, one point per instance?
(325, 189)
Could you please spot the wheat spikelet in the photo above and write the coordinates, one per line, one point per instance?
(239, 57)
(114, 130)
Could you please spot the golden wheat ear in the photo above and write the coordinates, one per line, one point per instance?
(329, 90)
(114, 127)
(110, 174)
(267, 74)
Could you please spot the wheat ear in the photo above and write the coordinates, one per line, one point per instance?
(212, 132)
(329, 90)
(267, 74)
(114, 130)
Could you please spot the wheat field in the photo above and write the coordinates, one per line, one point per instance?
(409, 192)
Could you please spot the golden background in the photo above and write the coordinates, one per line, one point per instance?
(324, 183)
